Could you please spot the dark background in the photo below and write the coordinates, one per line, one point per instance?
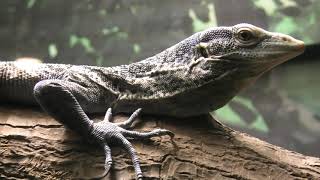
(282, 107)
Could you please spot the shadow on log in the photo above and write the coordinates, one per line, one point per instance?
(35, 146)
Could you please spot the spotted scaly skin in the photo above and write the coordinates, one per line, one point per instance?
(198, 75)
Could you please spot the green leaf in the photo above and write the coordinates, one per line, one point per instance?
(198, 24)
(228, 115)
(105, 31)
(260, 125)
(287, 26)
(115, 30)
(31, 3)
(83, 41)
(245, 101)
(99, 60)
(288, 3)
(308, 40)
(86, 43)
(269, 7)
(136, 48)
(312, 18)
(133, 10)
(102, 12)
(122, 35)
(53, 50)
(73, 40)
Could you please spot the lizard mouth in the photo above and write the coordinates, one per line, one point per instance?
(270, 52)
(282, 48)
(280, 52)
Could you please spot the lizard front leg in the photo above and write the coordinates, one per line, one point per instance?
(60, 99)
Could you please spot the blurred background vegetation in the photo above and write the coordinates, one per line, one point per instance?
(281, 108)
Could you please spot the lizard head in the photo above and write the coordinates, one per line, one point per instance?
(247, 44)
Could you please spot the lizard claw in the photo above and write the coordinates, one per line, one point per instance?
(105, 132)
(140, 177)
(107, 167)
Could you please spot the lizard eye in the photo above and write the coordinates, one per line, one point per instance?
(245, 35)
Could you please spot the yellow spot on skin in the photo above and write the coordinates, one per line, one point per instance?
(25, 65)
(28, 60)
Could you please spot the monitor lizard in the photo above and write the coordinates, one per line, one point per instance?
(196, 76)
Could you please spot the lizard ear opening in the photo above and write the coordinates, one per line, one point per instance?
(202, 50)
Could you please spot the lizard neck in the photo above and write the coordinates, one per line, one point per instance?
(177, 56)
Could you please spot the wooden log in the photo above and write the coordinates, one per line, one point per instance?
(35, 146)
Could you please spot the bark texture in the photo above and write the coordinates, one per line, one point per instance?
(35, 146)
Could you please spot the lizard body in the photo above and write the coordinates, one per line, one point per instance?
(198, 75)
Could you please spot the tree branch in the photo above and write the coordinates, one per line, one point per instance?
(34, 145)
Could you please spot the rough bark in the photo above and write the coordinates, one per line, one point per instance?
(35, 146)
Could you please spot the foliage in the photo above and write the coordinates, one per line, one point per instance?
(231, 116)
(30, 3)
(198, 24)
(136, 48)
(115, 31)
(287, 16)
(83, 41)
(77, 39)
(53, 50)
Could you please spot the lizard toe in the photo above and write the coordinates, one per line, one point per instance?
(105, 132)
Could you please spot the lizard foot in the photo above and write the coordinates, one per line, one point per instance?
(106, 132)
